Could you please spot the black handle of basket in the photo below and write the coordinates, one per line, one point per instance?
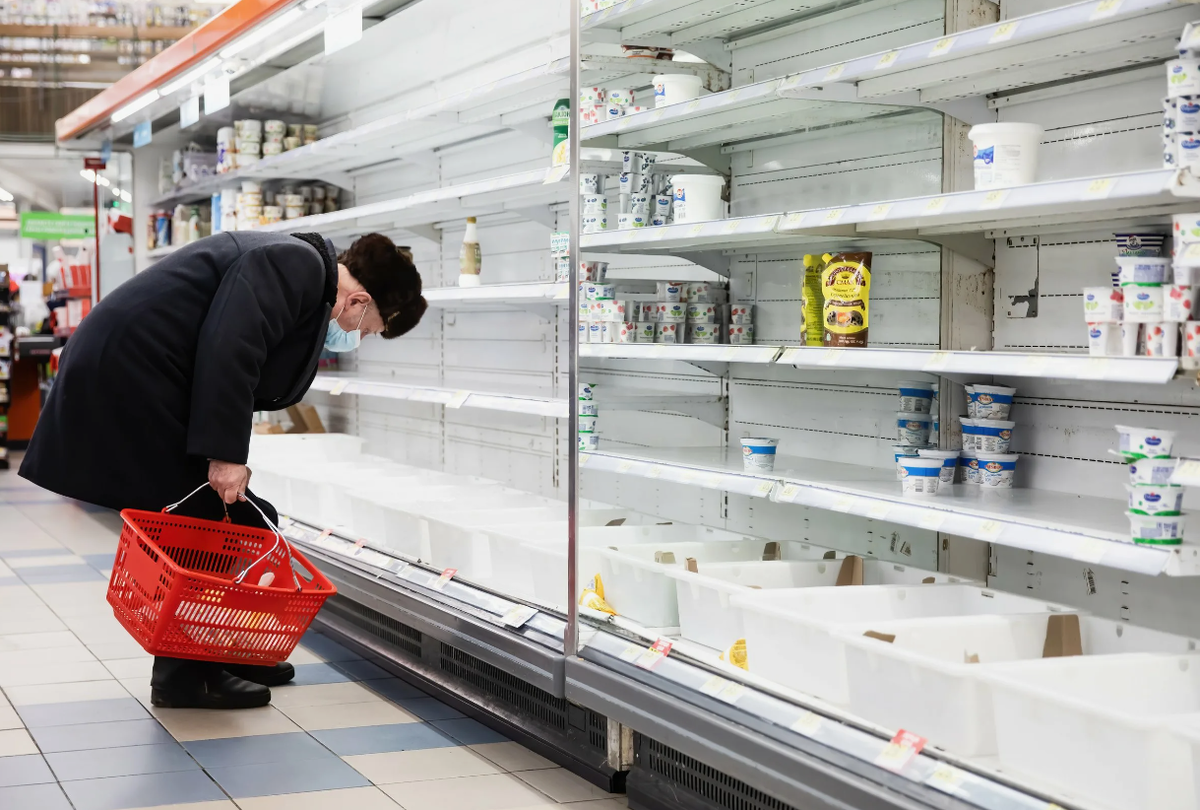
(279, 538)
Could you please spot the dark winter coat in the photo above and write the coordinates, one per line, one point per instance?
(168, 370)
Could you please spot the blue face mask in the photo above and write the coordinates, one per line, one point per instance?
(338, 339)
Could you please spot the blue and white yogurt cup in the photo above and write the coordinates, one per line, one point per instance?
(949, 459)
(997, 470)
(920, 477)
(758, 454)
(913, 428)
(916, 396)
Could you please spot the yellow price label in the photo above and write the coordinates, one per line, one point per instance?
(1004, 32)
(692, 106)
(731, 692)
(764, 488)
(788, 492)
(729, 353)
(807, 724)
(834, 72)
(625, 466)
(1095, 368)
(993, 199)
(1105, 8)
(1099, 189)
(654, 472)
(831, 357)
(990, 530)
(562, 292)
(843, 503)
(879, 212)
(942, 47)
(713, 686)
(733, 225)
(338, 387)
(458, 399)
(1192, 251)
(1035, 365)
(696, 230)
(735, 95)
(932, 520)
(946, 778)
(934, 207)
(887, 60)
(584, 458)
(833, 217)
(631, 653)
(937, 361)
(879, 510)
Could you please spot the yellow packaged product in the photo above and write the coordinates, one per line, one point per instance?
(593, 597)
(846, 285)
(736, 655)
(811, 302)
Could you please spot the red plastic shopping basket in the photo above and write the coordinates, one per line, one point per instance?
(183, 588)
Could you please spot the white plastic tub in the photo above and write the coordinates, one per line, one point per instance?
(458, 538)
(672, 88)
(1097, 729)
(638, 587)
(791, 638)
(1006, 154)
(404, 525)
(707, 617)
(698, 197)
(922, 682)
(318, 493)
(367, 502)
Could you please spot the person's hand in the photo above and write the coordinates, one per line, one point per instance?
(228, 479)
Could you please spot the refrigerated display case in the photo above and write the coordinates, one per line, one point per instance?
(650, 497)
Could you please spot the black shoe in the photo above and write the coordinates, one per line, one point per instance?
(277, 675)
(217, 691)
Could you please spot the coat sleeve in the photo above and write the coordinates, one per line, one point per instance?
(263, 295)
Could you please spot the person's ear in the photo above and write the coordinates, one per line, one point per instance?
(359, 298)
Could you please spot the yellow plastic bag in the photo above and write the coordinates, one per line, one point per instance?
(736, 655)
(593, 597)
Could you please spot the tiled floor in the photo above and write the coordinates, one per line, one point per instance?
(77, 730)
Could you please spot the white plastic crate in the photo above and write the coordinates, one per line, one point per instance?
(319, 494)
(922, 681)
(790, 634)
(306, 447)
(405, 530)
(458, 538)
(707, 617)
(1097, 729)
(638, 588)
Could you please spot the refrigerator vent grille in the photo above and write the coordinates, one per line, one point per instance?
(683, 772)
(398, 634)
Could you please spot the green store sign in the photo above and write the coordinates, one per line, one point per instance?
(51, 225)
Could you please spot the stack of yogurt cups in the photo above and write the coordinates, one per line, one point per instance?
(1155, 505)
(1182, 297)
(249, 206)
(274, 131)
(560, 256)
(588, 438)
(226, 150)
(1181, 113)
(228, 208)
(921, 467)
(987, 437)
(249, 133)
(598, 104)
(678, 312)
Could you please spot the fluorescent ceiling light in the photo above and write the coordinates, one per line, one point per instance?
(262, 32)
(192, 76)
(140, 103)
(126, 196)
(5, 196)
(309, 5)
(84, 59)
(92, 177)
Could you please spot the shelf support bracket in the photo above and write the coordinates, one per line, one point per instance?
(974, 246)
(709, 260)
(541, 214)
(425, 232)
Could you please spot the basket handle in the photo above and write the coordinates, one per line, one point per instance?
(279, 538)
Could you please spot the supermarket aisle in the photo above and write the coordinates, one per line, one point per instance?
(76, 729)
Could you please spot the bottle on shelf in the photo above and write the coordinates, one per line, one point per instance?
(470, 259)
(560, 120)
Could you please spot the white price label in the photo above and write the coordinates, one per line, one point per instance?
(189, 112)
(792, 221)
(834, 72)
(556, 173)
(584, 458)
(990, 530)
(946, 778)
(731, 692)
(692, 106)
(879, 212)
(397, 567)
(1095, 368)
(831, 357)
(687, 476)
(788, 493)
(733, 225)
(625, 466)
(1004, 32)
(879, 510)
(631, 653)
(937, 361)
(713, 481)
(729, 353)
(655, 472)
(993, 199)
(713, 686)
(763, 489)
(657, 350)
(338, 388)
(932, 520)
(1105, 8)
(942, 47)
(808, 724)
(1034, 365)
(887, 60)
(696, 230)
(1099, 189)
(934, 207)
(1090, 550)
(517, 615)
(458, 399)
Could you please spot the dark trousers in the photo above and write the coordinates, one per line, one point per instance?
(207, 506)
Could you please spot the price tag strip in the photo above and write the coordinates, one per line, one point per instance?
(517, 615)
(443, 578)
(338, 388)
(808, 724)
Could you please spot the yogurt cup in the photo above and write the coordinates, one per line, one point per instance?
(916, 396)
(700, 292)
(1187, 114)
(628, 332)
(1143, 269)
(758, 454)
(591, 184)
(996, 470)
(1103, 304)
(588, 442)
(949, 459)
(1179, 302)
(595, 203)
(666, 333)
(970, 464)
(670, 291)
(1137, 443)
(645, 331)
(1140, 244)
(1156, 530)
(900, 451)
(701, 313)
(1130, 331)
(970, 433)
(586, 390)
(600, 292)
(1152, 471)
(1161, 339)
(671, 313)
(913, 428)
(593, 271)
(1183, 77)
(1104, 339)
(919, 477)
(702, 333)
(1186, 272)
(1143, 302)
(972, 405)
(1191, 345)
(1151, 499)
(587, 424)
(741, 313)
(741, 334)
(992, 401)
(993, 435)
(587, 407)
